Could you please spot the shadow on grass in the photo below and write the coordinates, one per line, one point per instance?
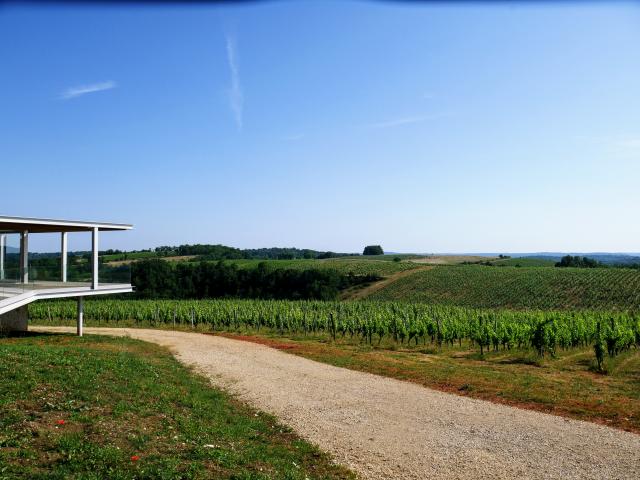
(585, 362)
(31, 334)
(522, 360)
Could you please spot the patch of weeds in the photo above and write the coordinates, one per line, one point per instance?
(603, 369)
(428, 350)
(532, 360)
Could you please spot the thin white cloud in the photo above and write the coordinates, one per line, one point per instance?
(75, 92)
(396, 122)
(236, 97)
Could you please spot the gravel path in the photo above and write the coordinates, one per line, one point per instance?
(384, 428)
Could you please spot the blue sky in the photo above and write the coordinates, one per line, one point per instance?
(327, 125)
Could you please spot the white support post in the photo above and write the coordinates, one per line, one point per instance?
(63, 256)
(24, 257)
(3, 246)
(80, 316)
(94, 258)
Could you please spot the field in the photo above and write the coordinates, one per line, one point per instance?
(119, 257)
(355, 265)
(514, 283)
(543, 360)
(519, 288)
(382, 265)
(524, 262)
(99, 407)
(451, 259)
(118, 263)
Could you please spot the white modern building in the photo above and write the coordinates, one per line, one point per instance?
(22, 283)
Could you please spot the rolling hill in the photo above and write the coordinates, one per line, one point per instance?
(519, 288)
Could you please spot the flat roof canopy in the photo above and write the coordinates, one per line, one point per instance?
(48, 225)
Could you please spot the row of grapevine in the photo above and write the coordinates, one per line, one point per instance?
(372, 322)
(545, 288)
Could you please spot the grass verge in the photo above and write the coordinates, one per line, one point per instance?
(100, 407)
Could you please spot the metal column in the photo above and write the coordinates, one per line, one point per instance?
(3, 246)
(24, 257)
(80, 316)
(94, 258)
(63, 256)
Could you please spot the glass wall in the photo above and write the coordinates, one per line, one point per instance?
(114, 272)
(45, 269)
(10, 266)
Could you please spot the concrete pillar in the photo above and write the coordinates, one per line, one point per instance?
(24, 257)
(63, 256)
(80, 316)
(94, 258)
(15, 320)
(3, 248)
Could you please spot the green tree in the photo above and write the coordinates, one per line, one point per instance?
(373, 250)
(578, 262)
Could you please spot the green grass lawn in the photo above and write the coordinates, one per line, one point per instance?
(100, 407)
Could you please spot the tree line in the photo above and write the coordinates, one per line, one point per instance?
(223, 252)
(578, 262)
(155, 278)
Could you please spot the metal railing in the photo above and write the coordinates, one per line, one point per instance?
(49, 275)
(10, 283)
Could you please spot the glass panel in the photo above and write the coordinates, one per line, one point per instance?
(10, 285)
(10, 273)
(79, 269)
(115, 272)
(45, 270)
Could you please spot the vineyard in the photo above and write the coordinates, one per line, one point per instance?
(371, 322)
(520, 288)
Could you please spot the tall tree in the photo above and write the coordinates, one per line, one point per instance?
(373, 250)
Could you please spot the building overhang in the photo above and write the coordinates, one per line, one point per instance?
(48, 225)
(22, 299)
(21, 290)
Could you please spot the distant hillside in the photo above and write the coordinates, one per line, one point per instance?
(519, 288)
(357, 265)
(525, 262)
(606, 258)
(221, 252)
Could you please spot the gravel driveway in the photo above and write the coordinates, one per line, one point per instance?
(384, 428)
